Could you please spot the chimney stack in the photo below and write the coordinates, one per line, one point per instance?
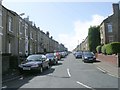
(116, 8)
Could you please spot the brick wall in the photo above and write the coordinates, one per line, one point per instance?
(112, 59)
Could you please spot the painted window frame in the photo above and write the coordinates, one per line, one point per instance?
(10, 24)
(110, 27)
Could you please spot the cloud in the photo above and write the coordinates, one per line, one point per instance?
(81, 31)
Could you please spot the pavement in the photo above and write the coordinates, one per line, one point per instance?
(108, 67)
(10, 75)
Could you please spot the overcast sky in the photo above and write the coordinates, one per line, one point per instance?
(67, 22)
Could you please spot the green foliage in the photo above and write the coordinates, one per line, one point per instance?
(113, 48)
(109, 49)
(103, 49)
(98, 49)
(93, 38)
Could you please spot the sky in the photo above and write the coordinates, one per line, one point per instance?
(67, 22)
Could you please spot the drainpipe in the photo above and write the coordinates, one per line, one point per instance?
(1, 44)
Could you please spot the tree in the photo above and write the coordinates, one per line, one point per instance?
(94, 38)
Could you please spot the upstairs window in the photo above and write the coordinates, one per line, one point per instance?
(26, 30)
(10, 23)
(109, 25)
(9, 47)
(31, 35)
(20, 26)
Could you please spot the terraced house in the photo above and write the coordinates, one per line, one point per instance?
(109, 28)
(20, 38)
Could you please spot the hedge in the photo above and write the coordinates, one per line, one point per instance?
(98, 49)
(109, 49)
(113, 48)
(103, 49)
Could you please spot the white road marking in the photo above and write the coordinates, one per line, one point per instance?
(102, 70)
(107, 72)
(85, 85)
(113, 75)
(68, 71)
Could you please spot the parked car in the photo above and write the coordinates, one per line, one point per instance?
(74, 52)
(78, 55)
(88, 56)
(34, 62)
(52, 58)
(62, 54)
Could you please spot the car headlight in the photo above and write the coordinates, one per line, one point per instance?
(47, 59)
(35, 65)
(86, 57)
(20, 66)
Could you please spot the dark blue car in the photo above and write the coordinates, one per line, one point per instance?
(34, 62)
(88, 56)
(78, 55)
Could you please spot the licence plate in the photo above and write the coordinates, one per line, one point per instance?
(90, 59)
(26, 68)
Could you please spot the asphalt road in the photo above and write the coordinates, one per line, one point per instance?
(69, 73)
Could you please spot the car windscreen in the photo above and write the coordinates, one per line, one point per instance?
(34, 58)
(88, 53)
(78, 53)
(49, 55)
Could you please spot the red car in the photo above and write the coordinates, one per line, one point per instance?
(57, 54)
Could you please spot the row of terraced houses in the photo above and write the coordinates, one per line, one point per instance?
(109, 29)
(21, 37)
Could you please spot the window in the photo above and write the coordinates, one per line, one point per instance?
(20, 26)
(10, 23)
(1, 25)
(26, 27)
(30, 49)
(110, 38)
(9, 47)
(20, 46)
(0, 18)
(31, 35)
(109, 25)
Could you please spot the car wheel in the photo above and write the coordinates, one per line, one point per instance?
(41, 69)
(56, 62)
(20, 71)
